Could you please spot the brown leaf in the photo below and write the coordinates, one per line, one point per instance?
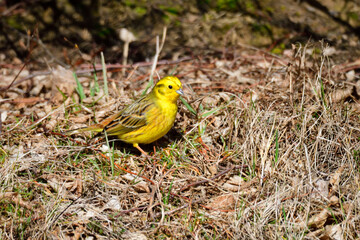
(318, 220)
(357, 87)
(315, 234)
(78, 232)
(113, 204)
(222, 202)
(138, 184)
(134, 236)
(334, 200)
(333, 232)
(81, 118)
(322, 189)
(16, 198)
(236, 180)
(56, 116)
(64, 81)
(341, 94)
(348, 207)
(213, 169)
(335, 179)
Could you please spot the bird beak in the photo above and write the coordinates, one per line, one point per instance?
(180, 91)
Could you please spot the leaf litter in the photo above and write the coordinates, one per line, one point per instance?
(272, 152)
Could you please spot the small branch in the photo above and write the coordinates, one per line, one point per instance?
(106, 91)
(128, 211)
(156, 57)
(211, 179)
(63, 211)
(158, 50)
(13, 81)
(178, 209)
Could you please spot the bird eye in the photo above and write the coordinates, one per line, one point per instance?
(170, 87)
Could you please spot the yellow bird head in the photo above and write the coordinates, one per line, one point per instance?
(168, 89)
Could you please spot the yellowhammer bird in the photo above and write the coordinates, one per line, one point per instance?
(145, 120)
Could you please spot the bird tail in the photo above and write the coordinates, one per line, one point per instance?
(95, 127)
(92, 128)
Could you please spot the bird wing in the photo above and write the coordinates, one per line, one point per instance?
(131, 118)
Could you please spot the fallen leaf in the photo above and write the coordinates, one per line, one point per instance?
(78, 232)
(16, 198)
(231, 187)
(56, 115)
(81, 118)
(134, 236)
(315, 234)
(334, 200)
(328, 51)
(335, 179)
(236, 180)
(222, 202)
(318, 220)
(137, 182)
(322, 189)
(357, 87)
(113, 204)
(64, 81)
(3, 116)
(341, 94)
(333, 232)
(350, 75)
(213, 169)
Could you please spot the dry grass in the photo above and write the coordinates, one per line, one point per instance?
(273, 153)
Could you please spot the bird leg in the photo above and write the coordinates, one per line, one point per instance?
(142, 151)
